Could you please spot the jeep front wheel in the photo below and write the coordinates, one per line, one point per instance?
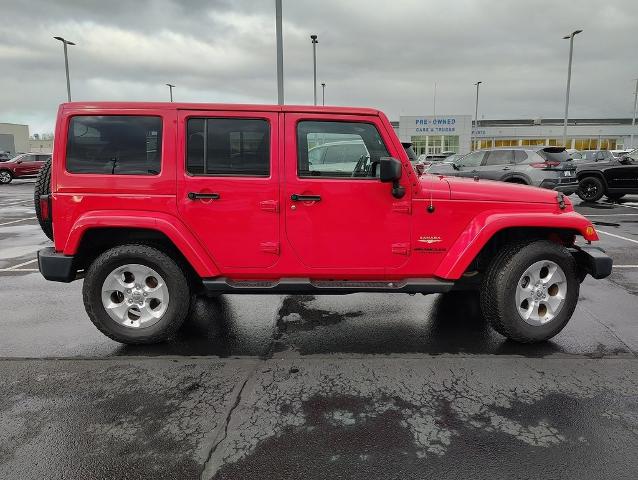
(530, 291)
(136, 294)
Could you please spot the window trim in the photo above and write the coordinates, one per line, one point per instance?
(332, 120)
(225, 175)
(70, 118)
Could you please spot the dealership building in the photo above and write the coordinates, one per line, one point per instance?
(454, 133)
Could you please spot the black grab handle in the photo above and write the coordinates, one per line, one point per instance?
(304, 198)
(211, 196)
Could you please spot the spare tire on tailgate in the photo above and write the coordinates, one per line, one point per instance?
(43, 187)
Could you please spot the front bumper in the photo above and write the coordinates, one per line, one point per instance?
(593, 260)
(56, 266)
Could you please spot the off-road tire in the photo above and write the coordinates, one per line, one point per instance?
(5, 179)
(171, 272)
(43, 187)
(498, 291)
(590, 182)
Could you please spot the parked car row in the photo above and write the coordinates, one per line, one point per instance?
(591, 174)
(24, 165)
(545, 167)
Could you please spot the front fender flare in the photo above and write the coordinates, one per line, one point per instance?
(485, 226)
(169, 225)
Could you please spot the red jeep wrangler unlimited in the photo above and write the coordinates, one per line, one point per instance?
(152, 203)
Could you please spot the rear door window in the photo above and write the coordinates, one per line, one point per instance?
(520, 156)
(499, 157)
(114, 145)
(228, 147)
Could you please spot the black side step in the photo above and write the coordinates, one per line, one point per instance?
(326, 287)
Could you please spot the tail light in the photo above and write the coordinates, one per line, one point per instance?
(45, 207)
(547, 164)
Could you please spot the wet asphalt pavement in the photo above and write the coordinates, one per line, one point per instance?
(357, 386)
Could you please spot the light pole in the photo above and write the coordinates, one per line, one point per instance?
(476, 110)
(170, 89)
(66, 64)
(323, 95)
(569, 37)
(314, 64)
(633, 121)
(280, 54)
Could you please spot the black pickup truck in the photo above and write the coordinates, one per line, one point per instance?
(609, 176)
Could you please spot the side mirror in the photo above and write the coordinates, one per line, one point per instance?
(390, 171)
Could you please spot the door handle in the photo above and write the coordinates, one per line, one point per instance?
(304, 198)
(506, 168)
(198, 196)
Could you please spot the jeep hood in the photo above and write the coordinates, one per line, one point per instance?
(491, 191)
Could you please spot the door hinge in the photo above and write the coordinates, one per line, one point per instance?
(270, 247)
(402, 207)
(269, 205)
(401, 248)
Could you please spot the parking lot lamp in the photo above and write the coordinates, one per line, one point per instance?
(476, 112)
(323, 95)
(280, 53)
(313, 38)
(569, 79)
(170, 89)
(66, 64)
(633, 120)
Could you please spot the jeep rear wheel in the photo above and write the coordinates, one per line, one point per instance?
(136, 294)
(590, 189)
(5, 176)
(43, 187)
(530, 291)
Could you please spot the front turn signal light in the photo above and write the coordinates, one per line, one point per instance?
(590, 233)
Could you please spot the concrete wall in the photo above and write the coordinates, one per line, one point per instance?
(40, 146)
(20, 134)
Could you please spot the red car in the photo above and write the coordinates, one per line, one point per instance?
(152, 203)
(24, 165)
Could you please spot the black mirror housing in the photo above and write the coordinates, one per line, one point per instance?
(390, 171)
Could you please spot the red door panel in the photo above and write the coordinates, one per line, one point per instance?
(355, 224)
(240, 227)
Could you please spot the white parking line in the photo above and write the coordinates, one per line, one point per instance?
(15, 203)
(612, 215)
(626, 205)
(618, 236)
(625, 266)
(16, 221)
(7, 270)
(14, 267)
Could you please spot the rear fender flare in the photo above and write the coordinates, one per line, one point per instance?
(480, 230)
(170, 226)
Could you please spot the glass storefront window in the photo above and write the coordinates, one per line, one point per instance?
(506, 143)
(429, 144)
(533, 141)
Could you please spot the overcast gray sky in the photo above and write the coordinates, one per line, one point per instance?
(384, 54)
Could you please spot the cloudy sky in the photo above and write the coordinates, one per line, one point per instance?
(385, 54)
